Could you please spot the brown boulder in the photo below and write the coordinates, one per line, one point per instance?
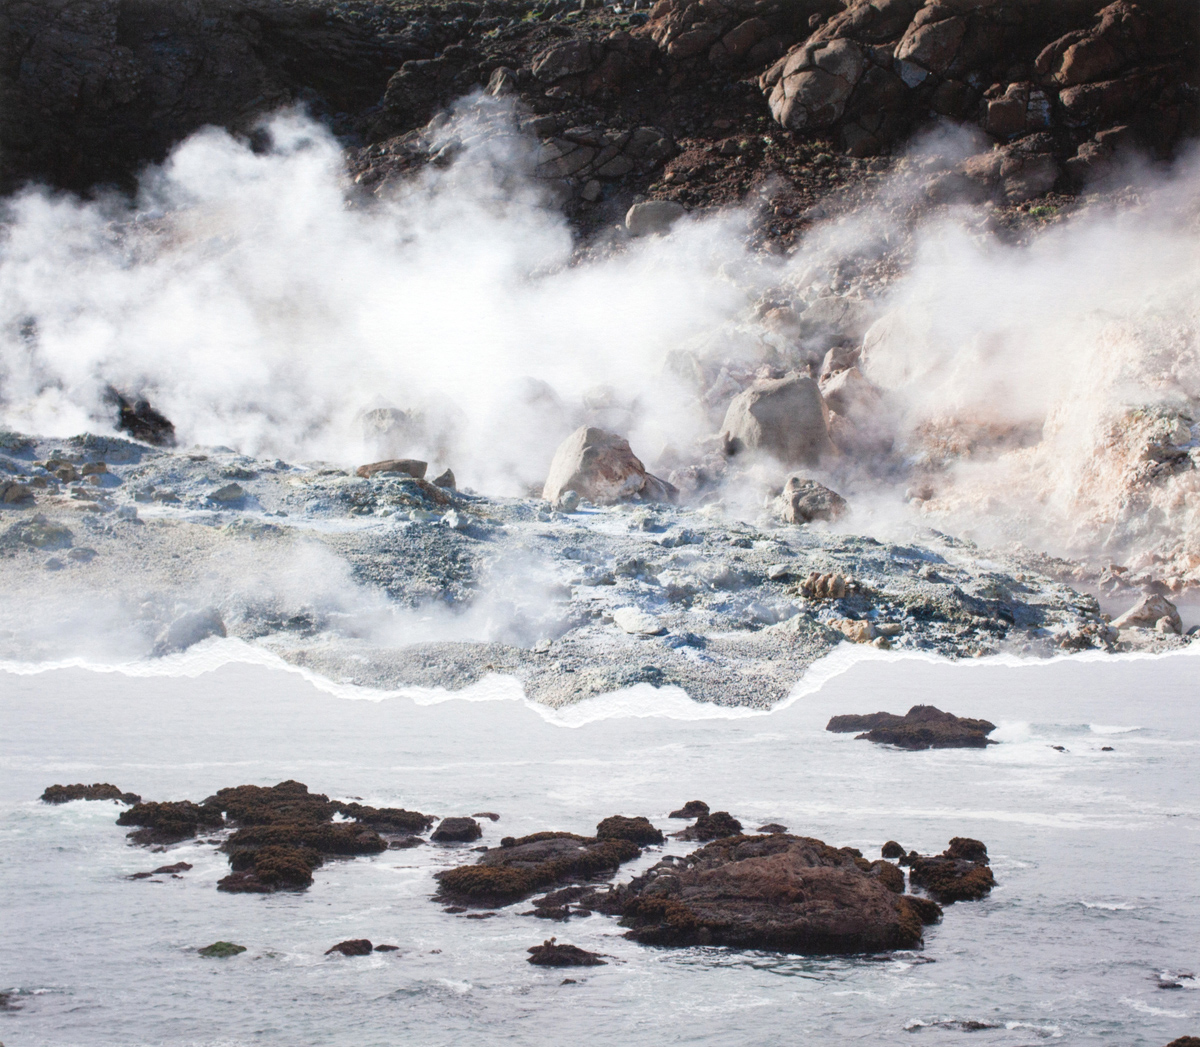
(601, 467)
(97, 791)
(960, 873)
(1148, 612)
(787, 893)
(408, 466)
(784, 417)
(551, 954)
(691, 809)
(456, 830)
(804, 501)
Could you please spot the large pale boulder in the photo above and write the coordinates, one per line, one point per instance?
(601, 467)
(1148, 612)
(785, 417)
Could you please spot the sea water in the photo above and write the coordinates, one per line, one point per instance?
(1096, 854)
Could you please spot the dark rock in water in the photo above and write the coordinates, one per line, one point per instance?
(283, 832)
(454, 910)
(712, 827)
(140, 420)
(405, 842)
(772, 827)
(6, 1002)
(98, 791)
(514, 871)
(960, 873)
(169, 822)
(966, 849)
(557, 912)
(387, 948)
(178, 867)
(691, 809)
(481, 915)
(457, 830)
(490, 815)
(1106, 748)
(780, 892)
(922, 727)
(352, 947)
(636, 830)
(551, 954)
(221, 950)
(892, 849)
(1185, 1041)
(387, 819)
(263, 870)
(139, 876)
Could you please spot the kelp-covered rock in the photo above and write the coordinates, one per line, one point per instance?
(712, 826)
(281, 832)
(222, 950)
(922, 727)
(519, 867)
(79, 791)
(636, 830)
(959, 873)
(551, 954)
(457, 830)
(272, 868)
(691, 809)
(782, 892)
(169, 822)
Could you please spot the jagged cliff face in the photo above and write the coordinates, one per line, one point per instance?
(92, 91)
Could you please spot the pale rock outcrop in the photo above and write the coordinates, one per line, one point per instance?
(804, 501)
(1148, 613)
(602, 468)
(784, 417)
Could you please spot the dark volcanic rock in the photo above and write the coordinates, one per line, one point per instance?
(788, 893)
(169, 822)
(922, 727)
(140, 420)
(222, 950)
(283, 832)
(98, 791)
(457, 830)
(636, 830)
(691, 809)
(892, 849)
(519, 867)
(772, 827)
(712, 826)
(960, 873)
(551, 954)
(352, 947)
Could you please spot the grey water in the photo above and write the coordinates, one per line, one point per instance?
(1097, 855)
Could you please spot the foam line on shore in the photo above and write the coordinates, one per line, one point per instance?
(641, 701)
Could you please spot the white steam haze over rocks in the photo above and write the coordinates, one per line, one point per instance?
(1040, 391)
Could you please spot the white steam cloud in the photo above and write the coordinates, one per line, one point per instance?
(256, 307)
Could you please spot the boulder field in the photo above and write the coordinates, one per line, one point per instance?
(691, 102)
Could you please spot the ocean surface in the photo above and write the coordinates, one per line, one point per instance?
(1097, 855)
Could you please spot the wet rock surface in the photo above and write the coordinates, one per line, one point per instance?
(551, 954)
(97, 791)
(922, 727)
(521, 866)
(960, 873)
(275, 836)
(779, 892)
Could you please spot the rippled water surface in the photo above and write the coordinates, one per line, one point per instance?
(1097, 855)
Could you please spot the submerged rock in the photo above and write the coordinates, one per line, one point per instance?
(221, 950)
(922, 727)
(352, 947)
(98, 791)
(551, 954)
(780, 892)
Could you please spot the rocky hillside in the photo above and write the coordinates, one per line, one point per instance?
(694, 100)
